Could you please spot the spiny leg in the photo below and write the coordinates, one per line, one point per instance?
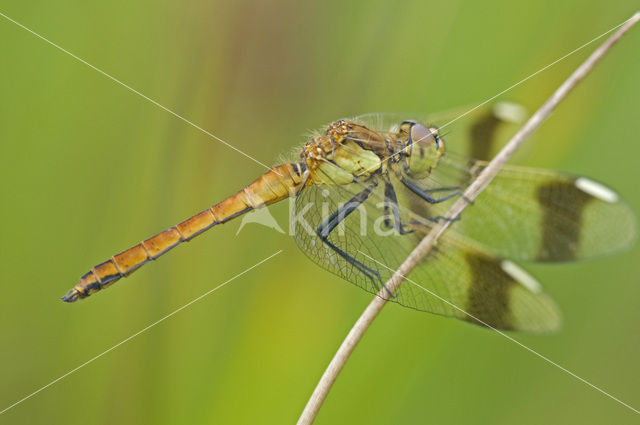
(424, 194)
(327, 226)
(442, 189)
(458, 190)
(392, 200)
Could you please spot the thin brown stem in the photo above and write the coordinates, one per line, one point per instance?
(376, 305)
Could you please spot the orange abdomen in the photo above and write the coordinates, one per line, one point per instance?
(277, 184)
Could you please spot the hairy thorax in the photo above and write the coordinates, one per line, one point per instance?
(345, 151)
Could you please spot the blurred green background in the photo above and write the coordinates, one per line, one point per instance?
(89, 168)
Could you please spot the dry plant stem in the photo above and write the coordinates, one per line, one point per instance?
(423, 248)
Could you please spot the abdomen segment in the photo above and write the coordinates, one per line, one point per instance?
(275, 185)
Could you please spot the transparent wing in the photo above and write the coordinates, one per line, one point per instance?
(525, 214)
(528, 214)
(455, 280)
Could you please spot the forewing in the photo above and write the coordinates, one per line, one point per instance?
(455, 279)
(528, 214)
(524, 214)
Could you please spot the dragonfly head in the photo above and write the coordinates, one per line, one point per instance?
(424, 147)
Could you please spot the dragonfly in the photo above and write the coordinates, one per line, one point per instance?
(366, 190)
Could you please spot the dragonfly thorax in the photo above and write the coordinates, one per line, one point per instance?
(345, 151)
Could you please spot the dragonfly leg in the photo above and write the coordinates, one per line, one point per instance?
(458, 189)
(442, 189)
(326, 227)
(424, 194)
(441, 217)
(392, 201)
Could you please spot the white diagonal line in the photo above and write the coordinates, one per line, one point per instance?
(133, 90)
(509, 88)
(531, 350)
(138, 333)
(537, 72)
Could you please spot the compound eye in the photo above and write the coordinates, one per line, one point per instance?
(422, 136)
(424, 148)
